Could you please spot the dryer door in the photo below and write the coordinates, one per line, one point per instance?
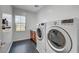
(59, 39)
(39, 34)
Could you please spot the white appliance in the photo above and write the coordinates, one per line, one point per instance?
(62, 36)
(41, 28)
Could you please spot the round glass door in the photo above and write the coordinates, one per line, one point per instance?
(59, 40)
(56, 38)
(39, 33)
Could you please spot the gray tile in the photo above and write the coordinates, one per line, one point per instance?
(25, 46)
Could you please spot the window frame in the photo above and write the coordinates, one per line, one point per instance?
(16, 23)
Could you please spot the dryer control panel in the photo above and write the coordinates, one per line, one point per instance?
(67, 21)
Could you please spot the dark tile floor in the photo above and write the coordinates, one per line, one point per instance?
(25, 46)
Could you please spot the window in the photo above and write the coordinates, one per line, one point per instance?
(20, 23)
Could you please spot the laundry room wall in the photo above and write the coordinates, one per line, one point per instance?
(30, 24)
(57, 12)
(0, 27)
(8, 10)
(6, 36)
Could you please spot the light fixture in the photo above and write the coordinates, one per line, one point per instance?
(36, 5)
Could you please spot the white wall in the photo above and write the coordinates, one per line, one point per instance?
(57, 12)
(30, 22)
(0, 27)
(6, 36)
(6, 9)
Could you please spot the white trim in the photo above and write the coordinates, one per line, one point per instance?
(21, 39)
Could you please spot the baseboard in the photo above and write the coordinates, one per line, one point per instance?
(20, 40)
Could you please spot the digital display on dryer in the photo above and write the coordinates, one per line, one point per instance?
(67, 21)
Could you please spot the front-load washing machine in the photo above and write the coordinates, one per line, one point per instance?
(41, 28)
(62, 36)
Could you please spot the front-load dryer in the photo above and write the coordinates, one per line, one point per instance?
(41, 31)
(62, 36)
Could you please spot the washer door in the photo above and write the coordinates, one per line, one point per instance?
(59, 40)
(39, 33)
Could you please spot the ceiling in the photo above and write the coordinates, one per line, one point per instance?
(32, 8)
